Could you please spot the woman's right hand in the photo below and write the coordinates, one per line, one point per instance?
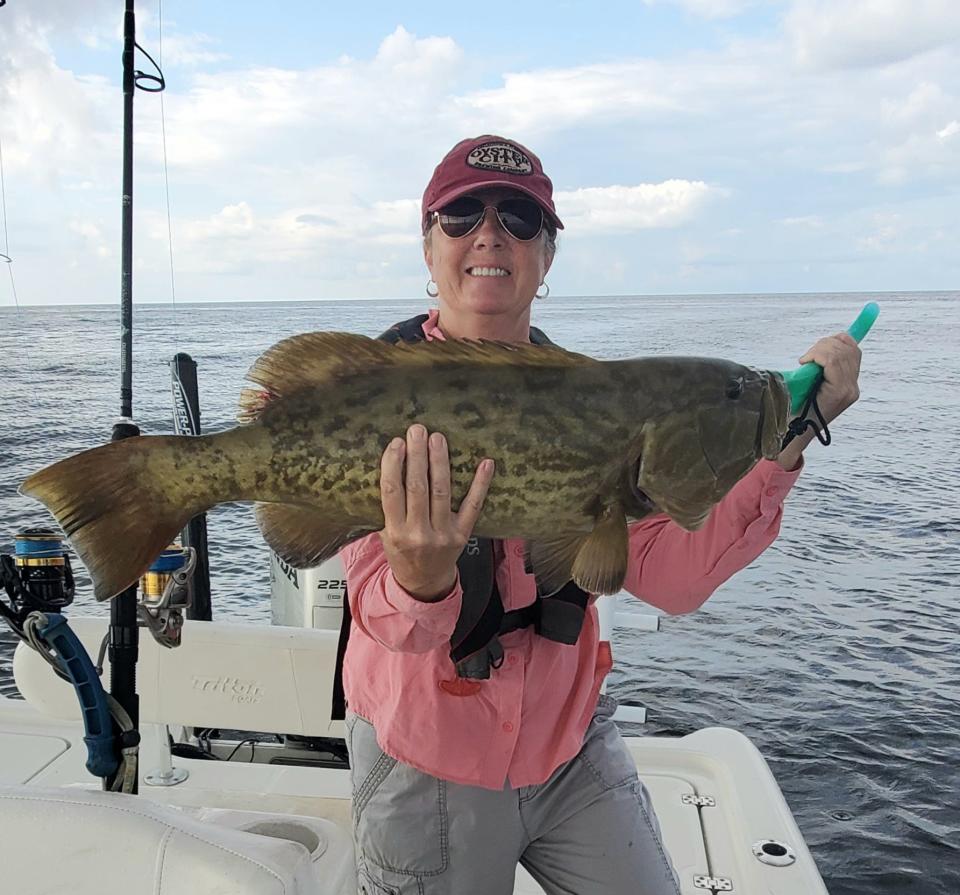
(422, 536)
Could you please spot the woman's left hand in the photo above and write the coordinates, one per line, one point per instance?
(839, 356)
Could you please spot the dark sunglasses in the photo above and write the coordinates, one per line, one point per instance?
(521, 218)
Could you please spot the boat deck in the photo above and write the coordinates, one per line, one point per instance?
(714, 795)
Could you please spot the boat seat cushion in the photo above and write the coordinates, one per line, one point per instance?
(94, 843)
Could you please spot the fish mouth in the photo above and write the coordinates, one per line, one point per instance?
(758, 441)
(771, 425)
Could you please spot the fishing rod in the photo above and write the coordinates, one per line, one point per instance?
(124, 632)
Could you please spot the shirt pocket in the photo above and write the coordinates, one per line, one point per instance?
(399, 813)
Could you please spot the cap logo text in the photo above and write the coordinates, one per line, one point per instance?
(503, 157)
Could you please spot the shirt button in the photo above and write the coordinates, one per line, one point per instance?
(512, 660)
(771, 492)
(518, 550)
(507, 727)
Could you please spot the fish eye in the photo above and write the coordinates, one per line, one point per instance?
(735, 387)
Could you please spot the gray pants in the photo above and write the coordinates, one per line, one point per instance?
(589, 830)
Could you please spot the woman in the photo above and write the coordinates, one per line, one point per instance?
(465, 764)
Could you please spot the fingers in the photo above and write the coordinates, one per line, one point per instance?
(416, 486)
(839, 355)
(439, 482)
(472, 504)
(392, 494)
(417, 475)
(832, 348)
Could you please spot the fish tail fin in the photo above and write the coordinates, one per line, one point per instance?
(112, 505)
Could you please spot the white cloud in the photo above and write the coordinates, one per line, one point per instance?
(188, 50)
(303, 182)
(887, 229)
(338, 234)
(621, 208)
(91, 236)
(811, 221)
(709, 9)
(548, 100)
(340, 109)
(832, 34)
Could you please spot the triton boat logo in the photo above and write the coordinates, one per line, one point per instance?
(247, 692)
(504, 157)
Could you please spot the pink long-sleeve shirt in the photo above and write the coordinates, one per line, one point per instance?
(530, 716)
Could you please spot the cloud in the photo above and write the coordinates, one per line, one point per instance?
(188, 50)
(808, 221)
(709, 9)
(337, 234)
(887, 229)
(552, 99)
(91, 236)
(863, 33)
(53, 126)
(592, 210)
(304, 181)
(342, 109)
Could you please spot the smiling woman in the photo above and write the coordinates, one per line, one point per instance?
(489, 237)
(478, 736)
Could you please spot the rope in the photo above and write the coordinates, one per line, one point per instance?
(166, 181)
(5, 254)
(801, 423)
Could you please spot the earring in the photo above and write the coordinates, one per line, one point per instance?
(436, 289)
(545, 294)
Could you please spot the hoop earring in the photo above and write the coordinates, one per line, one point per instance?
(545, 294)
(436, 289)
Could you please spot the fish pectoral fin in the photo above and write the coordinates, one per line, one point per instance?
(597, 561)
(551, 561)
(304, 536)
(601, 563)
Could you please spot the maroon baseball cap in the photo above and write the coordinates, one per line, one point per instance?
(488, 161)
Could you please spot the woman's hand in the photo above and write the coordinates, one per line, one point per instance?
(839, 356)
(422, 536)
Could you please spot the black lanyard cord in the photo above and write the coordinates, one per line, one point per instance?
(801, 423)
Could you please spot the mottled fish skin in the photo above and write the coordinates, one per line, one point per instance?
(562, 439)
(573, 438)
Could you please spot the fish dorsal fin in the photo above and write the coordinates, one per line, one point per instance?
(323, 358)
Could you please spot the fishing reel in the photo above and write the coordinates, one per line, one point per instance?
(38, 577)
(165, 594)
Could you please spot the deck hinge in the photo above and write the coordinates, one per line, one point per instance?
(717, 883)
(700, 801)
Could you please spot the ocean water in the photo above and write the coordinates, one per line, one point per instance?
(837, 652)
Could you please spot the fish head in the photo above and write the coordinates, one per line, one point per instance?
(731, 417)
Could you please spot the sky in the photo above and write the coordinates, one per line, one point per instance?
(695, 146)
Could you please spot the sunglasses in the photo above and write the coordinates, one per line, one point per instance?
(521, 218)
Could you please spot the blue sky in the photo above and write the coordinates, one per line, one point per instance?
(695, 145)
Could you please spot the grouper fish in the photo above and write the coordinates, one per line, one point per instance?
(582, 447)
